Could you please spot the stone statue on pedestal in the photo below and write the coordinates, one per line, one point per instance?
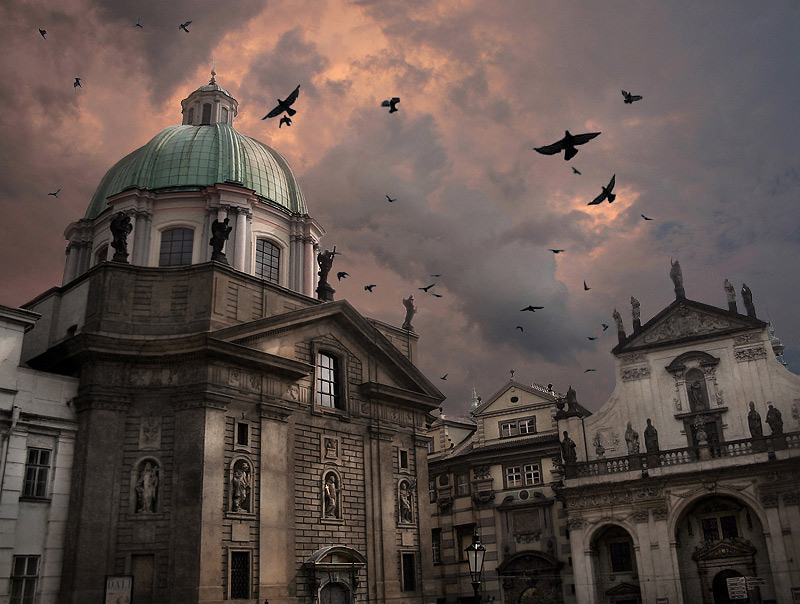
(219, 235)
(568, 449)
(730, 293)
(775, 421)
(121, 227)
(747, 296)
(651, 437)
(632, 439)
(635, 311)
(754, 422)
(411, 310)
(325, 261)
(676, 275)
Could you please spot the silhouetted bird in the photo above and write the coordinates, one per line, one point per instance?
(437, 295)
(43, 32)
(285, 105)
(590, 338)
(576, 171)
(77, 83)
(390, 200)
(435, 275)
(183, 26)
(588, 370)
(444, 377)
(556, 251)
(606, 194)
(285, 120)
(369, 288)
(425, 289)
(341, 275)
(520, 328)
(630, 98)
(586, 287)
(567, 144)
(645, 217)
(138, 22)
(55, 194)
(531, 308)
(391, 104)
(604, 326)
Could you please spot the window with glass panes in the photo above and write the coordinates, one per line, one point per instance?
(240, 576)
(436, 544)
(24, 574)
(328, 380)
(621, 558)
(532, 474)
(268, 260)
(432, 490)
(462, 484)
(513, 477)
(719, 527)
(176, 247)
(527, 426)
(37, 468)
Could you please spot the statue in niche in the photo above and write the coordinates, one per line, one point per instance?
(775, 421)
(241, 487)
(696, 396)
(700, 435)
(676, 275)
(747, 296)
(632, 440)
(568, 452)
(219, 235)
(599, 449)
(754, 422)
(651, 437)
(406, 513)
(331, 496)
(411, 310)
(147, 488)
(121, 227)
(635, 310)
(730, 293)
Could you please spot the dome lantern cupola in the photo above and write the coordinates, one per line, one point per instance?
(209, 104)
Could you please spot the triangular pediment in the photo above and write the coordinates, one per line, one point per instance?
(684, 321)
(623, 589)
(729, 548)
(504, 399)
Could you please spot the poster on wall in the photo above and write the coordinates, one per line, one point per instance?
(119, 589)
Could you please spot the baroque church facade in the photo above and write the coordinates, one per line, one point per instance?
(238, 438)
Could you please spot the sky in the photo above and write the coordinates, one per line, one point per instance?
(709, 153)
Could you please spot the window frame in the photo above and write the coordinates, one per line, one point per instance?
(408, 577)
(278, 257)
(436, 545)
(24, 579)
(249, 572)
(41, 479)
(181, 253)
(463, 485)
(320, 378)
(513, 427)
(521, 470)
(463, 537)
(343, 357)
(630, 555)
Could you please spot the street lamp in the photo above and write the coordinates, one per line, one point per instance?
(475, 554)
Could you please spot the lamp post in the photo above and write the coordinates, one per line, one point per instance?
(475, 554)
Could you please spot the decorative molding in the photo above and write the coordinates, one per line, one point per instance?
(635, 373)
(149, 433)
(743, 338)
(480, 472)
(769, 500)
(685, 322)
(755, 353)
(575, 523)
(660, 513)
(631, 358)
(641, 516)
(790, 498)
(483, 496)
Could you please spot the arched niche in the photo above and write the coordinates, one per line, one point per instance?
(146, 477)
(240, 482)
(331, 495)
(405, 502)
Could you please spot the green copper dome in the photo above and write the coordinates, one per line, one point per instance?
(198, 156)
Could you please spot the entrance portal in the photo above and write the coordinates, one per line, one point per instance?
(334, 593)
(720, 587)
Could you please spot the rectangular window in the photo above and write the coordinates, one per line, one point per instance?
(242, 434)
(268, 260)
(533, 474)
(36, 471)
(527, 426)
(518, 427)
(432, 490)
(24, 574)
(710, 529)
(462, 484)
(620, 554)
(464, 535)
(403, 459)
(513, 477)
(728, 525)
(409, 572)
(176, 247)
(430, 447)
(328, 381)
(436, 543)
(508, 429)
(240, 576)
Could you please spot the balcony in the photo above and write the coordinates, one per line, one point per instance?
(645, 462)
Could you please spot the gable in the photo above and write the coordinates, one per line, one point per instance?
(514, 397)
(684, 321)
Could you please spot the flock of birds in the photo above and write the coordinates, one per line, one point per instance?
(568, 144)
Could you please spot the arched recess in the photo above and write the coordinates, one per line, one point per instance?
(720, 533)
(145, 493)
(614, 564)
(405, 502)
(335, 574)
(531, 578)
(240, 482)
(331, 491)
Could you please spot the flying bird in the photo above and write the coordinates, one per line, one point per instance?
(444, 377)
(285, 120)
(585, 287)
(576, 171)
(555, 251)
(368, 288)
(645, 217)
(55, 194)
(43, 32)
(604, 326)
(138, 23)
(520, 328)
(606, 194)
(391, 104)
(341, 275)
(77, 83)
(531, 308)
(390, 200)
(183, 26)
(588, 370)
(590, 338)
(425, 289)
(437, 295)
(567, 144)
(285, 105)
(435, 275)
(630, 98)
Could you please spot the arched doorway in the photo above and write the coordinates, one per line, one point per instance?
(335, 575)
(334, 593)
(719, 587)
(615, 567)
(531, 578)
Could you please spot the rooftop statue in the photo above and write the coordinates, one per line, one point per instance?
(676, 275)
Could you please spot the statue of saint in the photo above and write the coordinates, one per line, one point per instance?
(620, 326)
(599, 449)
(700, 435)
(775, 421)
(730, 293)
(651, 437)
(411, 310)
(121, 227)
(241, 487)
(636, 312)
(754, 422)
(676, 275)
(696, 397)
(147, 489)
(568, 449)
(219, 235)
(747, 296)
(406, 514)
(331, 493)
(632, 440)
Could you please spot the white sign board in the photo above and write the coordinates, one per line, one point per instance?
(737, 588)
(119, 589)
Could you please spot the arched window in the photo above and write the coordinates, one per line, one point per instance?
(101, 255)
(223, 115)
(176, 247)
(328, 379)
(268, 259)
(206, 115)
(190, 117)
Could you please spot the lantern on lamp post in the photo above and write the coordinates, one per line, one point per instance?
(475, 554)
